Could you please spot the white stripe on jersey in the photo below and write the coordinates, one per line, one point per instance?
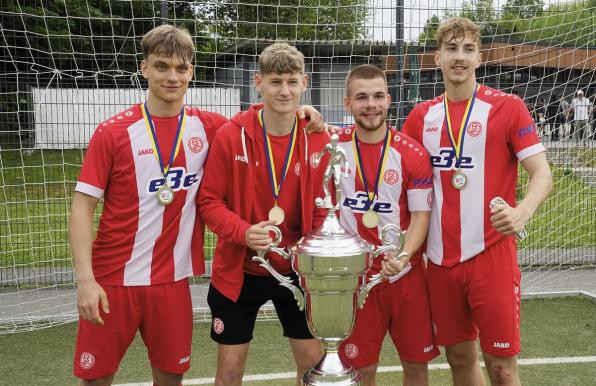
(432, 142)
(137, 270)
(194, 161)
(89, 189)
(530, 151)
(471, 198)
(348, 187)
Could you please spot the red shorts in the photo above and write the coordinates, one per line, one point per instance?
(400, 308)
(480, 296)
(163, 315)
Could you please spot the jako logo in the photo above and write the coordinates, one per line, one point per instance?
(184, 360)
(145, 152)
(432, 129)
(241, 158)
(501, 345)
(428, 348)
(525, 131)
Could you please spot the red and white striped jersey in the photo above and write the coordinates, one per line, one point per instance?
(140, 241)
(500, 132)
(404, 187)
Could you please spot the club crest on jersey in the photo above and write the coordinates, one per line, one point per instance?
(218, 326)
(177, 179)
(474, 129)
(87, 360)
(446, 160)
(195, 144)
(315, 160)
(361, 203)
(351, 350)
(391, 176)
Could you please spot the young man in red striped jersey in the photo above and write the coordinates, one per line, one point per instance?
(389, 181)
(272, 176)
(146, 162)
(476, 136)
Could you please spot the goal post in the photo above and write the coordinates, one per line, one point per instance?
(66, 66)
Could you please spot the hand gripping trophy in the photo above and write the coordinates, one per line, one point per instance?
(331, 264)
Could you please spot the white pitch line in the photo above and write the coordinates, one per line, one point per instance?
(383, 369)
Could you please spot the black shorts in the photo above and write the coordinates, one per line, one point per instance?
(233, 323)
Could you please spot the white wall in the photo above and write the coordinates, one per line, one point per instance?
(66, 118)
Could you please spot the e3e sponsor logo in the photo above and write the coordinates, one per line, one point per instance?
(177, 179)
(361, 203)
(446, 160)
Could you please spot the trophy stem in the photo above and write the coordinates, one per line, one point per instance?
(331, 370)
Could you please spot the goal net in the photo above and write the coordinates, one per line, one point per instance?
(67, 65)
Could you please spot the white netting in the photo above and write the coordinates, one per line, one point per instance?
(66, 65)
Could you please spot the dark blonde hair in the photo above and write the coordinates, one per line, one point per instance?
(170, 41)
(281, 58)
(364, 71)
(455, 28)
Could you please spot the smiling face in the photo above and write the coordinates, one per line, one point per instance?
(458, 57)
(168, 78)
(281, 92)
(368, 101)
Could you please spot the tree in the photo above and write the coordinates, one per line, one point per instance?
(321, 20)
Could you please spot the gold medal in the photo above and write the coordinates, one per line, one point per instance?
(370, 219)
(165, 195)
(459, 180)
(277, 214)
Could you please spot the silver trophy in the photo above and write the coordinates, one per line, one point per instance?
(331, 265)
(500, 201)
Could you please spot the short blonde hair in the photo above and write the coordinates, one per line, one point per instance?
(455, 28)
(281, 58)
(170, 41)
(364, 71)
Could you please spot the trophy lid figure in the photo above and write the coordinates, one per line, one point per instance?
(337, 158)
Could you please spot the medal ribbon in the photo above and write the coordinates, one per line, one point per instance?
(459, 146)
(153, 137)
(275, 187)
(360, 168)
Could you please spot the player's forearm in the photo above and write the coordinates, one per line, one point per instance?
(416, 232)
(81, 237)
(539, 186)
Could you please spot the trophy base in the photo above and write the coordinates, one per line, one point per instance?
(330, 371)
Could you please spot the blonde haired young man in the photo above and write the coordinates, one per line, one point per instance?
(271, 179)
(476, 136)
(146, 163)
(389, 182)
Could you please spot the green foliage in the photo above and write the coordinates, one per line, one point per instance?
(288, 20)
(527, 20)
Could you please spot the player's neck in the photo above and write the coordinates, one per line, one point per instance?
(460, 92)
(278, 123)
(371, 136)
(159, 108)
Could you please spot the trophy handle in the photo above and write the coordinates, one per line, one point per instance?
(283, 280)
(386, 246)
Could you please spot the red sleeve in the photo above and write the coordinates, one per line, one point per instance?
(419, 183)
(523, 137)
(213, 194)
(212, 122)
(97, 166)
(413, 125)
